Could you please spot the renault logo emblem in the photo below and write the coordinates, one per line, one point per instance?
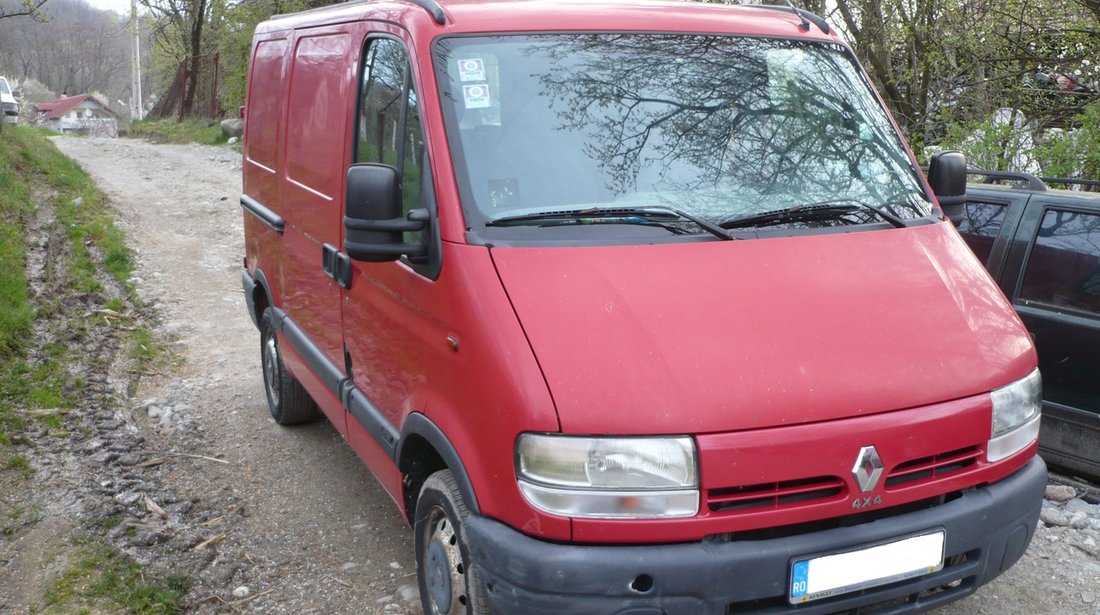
(868, 469)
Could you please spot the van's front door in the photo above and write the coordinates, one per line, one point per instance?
(385, 325)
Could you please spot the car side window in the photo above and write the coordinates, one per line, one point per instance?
(980, 226)
(1063, 269)
(388, 128)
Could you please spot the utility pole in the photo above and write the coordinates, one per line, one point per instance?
(136, 111)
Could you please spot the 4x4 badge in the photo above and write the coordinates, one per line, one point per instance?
(868, 469)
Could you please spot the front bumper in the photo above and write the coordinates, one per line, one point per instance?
(991, 526)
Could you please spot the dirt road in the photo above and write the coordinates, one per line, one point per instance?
(302, 518)
(306, 528)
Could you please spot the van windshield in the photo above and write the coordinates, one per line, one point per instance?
(4, 89)
(720, 129)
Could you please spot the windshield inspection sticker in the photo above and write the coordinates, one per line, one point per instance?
(476, 96)
(471, 69)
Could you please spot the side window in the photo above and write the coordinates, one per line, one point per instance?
(1063, 269)
(981, 225)
(389, 117)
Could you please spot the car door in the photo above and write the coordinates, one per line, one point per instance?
(1052, 275)
(391, 311)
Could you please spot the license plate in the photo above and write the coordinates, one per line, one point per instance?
(831, 575)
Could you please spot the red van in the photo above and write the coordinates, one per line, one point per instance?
(633, 308)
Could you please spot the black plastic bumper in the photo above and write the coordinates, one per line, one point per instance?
(990, 526)
(250, 296)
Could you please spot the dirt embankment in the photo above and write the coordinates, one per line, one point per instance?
(275, 520)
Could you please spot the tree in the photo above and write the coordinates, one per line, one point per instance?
(22, 8)
(179, 29)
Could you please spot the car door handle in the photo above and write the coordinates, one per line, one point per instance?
(336, 265)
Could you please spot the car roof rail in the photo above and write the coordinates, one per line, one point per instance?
(1031, 182)
(805, 15)
(1088, 183)
(433, 8)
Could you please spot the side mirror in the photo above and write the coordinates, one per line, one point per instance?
(373, 224)
(947, 176)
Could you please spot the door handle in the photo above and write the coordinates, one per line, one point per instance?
(336, 265)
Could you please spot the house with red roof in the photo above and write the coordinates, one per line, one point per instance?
(83, 114)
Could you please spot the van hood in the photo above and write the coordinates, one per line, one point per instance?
(733, 335)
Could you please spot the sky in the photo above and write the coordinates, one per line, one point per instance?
(118, 6)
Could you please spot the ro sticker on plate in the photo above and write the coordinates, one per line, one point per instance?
(476, 96)
(471, 69)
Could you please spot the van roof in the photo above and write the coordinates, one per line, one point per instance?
(484, 16)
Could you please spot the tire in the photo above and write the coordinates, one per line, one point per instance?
(287, 400)
(448, 584)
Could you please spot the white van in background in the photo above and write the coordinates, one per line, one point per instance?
(8, 102)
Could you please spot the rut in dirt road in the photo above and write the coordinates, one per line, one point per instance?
(291, 514)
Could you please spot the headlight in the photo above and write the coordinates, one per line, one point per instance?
(638, 478)
(1015, 416)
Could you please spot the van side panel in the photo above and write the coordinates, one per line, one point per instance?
(311, 186)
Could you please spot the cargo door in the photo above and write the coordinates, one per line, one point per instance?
(318, 102)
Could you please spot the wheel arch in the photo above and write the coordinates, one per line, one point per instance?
(422, 450)
(261, 296)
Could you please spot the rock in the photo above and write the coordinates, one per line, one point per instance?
(241, 592)
(1054, 517)
(232, 140)
(1079, 521)
(348, 566)
(154, 412)
(1078, 505)
(409, 593)
(1060, 493)
(78, 201)
(126, 498)
(233, 127)
(1088, 597)
(129, 460)
(395, 565)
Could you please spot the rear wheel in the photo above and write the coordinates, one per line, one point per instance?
(448, 585)
(288, 401)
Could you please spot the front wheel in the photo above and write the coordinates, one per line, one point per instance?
(286, 398)
(448, 585)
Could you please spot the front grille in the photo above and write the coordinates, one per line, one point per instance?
(775, 495)
(927, 469)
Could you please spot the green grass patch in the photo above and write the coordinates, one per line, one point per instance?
(30, 165)
(99, 578)
(20, 464)
(192, 130)
(15, 517)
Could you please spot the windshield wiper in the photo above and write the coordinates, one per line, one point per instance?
(615, 215)
(821, 210)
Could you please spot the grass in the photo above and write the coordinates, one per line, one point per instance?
(41, 362)
(97, 576)
(192, 130)
(29, 165)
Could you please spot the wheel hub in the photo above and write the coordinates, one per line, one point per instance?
(444, 567)
(271, 369)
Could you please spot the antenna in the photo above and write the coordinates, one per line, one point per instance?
(805, 25)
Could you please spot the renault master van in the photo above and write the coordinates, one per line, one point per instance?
(633, 308)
